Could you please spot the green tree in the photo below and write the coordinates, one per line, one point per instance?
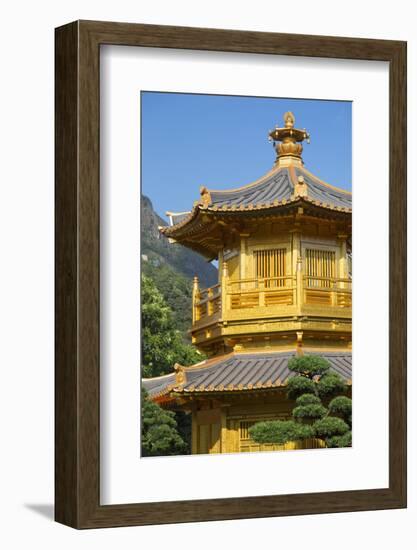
(313, 382)
(163, 346)
(162, 342)
(160, 436)
(176, 291)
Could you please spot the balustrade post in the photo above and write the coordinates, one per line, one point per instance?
(343, 266)
(299, 282)
(223, 295)
(297, 268)
(333, 295)
(195, 298)
(341, 273)
(210, 301)
(261, 292)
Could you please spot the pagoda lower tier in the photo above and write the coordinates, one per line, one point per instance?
(228, 394)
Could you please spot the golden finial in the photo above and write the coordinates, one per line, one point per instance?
(289, 119)
(287, 140)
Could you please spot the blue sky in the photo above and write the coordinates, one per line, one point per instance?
(222, 142)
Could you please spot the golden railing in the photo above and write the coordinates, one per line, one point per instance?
(207, 302)
(289, 290)
(261, 292)
(327, 291)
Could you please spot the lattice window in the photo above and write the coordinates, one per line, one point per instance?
(320, 267)
(270, 265)
(244, 430)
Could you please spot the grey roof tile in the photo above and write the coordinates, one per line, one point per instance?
(158, 385)
(317, 190)
(276, 186)
(244, 369)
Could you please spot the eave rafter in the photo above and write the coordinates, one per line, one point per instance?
(202, 230)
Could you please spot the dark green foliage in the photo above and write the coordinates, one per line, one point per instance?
(156, 315)
(309, 365)
(330, 426)
(330, 384)
(183, 420)
(312, 383)
(298, 385)
(166, 293)
(308, 399)
(172, 268)
(280, 431)
(162, 343)
(176, 291)
(344, 440)
(342, 406)
(309, 412)
(159, 431)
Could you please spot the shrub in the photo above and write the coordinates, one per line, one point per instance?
(330, 384)
(330, 426)
(308, 399)
(160, 436)
(311, 383)
(298, 385)
(312, 411)
(344, 440)
(280, 431)
(341, 405)
(309, 365)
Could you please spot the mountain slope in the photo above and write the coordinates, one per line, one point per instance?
(172, 266)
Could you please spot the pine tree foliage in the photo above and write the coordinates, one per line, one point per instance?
(329, 426)
(280, 431)
(312, 383)
(330, 384)
(309, 412)
(300, 385)
(160, 436)
(309, 365)
(341, 405)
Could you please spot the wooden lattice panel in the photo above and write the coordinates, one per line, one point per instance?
(269, 264)
(320, 267)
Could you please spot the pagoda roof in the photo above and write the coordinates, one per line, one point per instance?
(286, 189)
(280, 187)
(238, 372)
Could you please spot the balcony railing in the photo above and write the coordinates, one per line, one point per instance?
(290, 290)
(207, 302)
(327, 291)
(270, 291)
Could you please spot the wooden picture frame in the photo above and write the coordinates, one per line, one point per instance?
(77, 405)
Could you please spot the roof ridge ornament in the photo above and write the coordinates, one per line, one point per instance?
(180, 376)
(205, 199)
(300, 188)
(287, 141)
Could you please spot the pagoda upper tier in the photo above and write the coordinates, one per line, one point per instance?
(287, 186)
(283, 244)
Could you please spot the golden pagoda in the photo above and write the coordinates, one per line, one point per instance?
(283, 245)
